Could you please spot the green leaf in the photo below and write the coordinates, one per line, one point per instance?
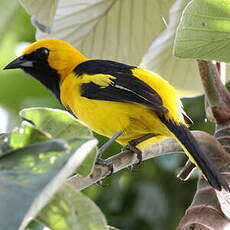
(70, 209)
(36, 148)
(61, 124)
(29, 177)
(58, 123)
(26, 134)
(204, 31)
(33, 225)
(130, 37)
(159, 58)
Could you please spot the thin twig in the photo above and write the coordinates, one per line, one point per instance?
(186, 171)
(123, 160)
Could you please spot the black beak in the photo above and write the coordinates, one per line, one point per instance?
(18, 63)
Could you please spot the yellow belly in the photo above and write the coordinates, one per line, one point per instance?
(109, 117)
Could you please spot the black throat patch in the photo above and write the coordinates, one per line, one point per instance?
(43, 73)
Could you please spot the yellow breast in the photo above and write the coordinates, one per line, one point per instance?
(98, 115)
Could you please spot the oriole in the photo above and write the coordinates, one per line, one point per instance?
(112, 97)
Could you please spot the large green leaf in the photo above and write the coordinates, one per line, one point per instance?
(144, 36)
(20, 137)
(58, 123)
(61, 124)
(204, 31)
(26, 134)
(87, 25)
(70, 209)
(159, 58)
(23, 174)
(32, 170)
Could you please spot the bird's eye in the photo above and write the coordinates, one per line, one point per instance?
(42, 53)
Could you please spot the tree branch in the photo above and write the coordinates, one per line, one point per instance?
(125, 159)
(216, 94)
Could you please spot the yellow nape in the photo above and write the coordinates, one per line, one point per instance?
(63, 57)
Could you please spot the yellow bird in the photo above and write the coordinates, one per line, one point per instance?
(114, 99)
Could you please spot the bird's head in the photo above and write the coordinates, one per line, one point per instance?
(49, 61)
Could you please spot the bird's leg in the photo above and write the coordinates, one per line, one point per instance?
(102, 149)
(131, 146)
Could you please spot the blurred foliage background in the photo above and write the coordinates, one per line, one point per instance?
(147, 197)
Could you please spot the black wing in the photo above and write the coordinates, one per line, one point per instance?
(124, 88)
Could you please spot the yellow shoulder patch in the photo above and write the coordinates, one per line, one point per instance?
(103, 80)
